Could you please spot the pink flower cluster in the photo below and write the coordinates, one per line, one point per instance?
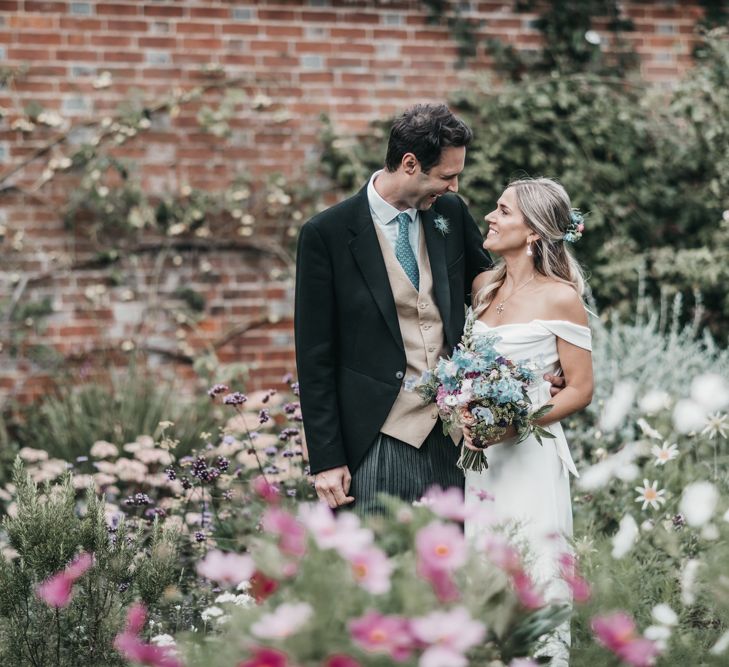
(133, 649)
(443, 636)
(506, 557)
(578, 585)
(441, 550)
(57, 591)
(371, 568)
(617, 633)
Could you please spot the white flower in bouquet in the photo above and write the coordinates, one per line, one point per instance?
(698, 502)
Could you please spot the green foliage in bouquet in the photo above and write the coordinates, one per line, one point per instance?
(44, 533)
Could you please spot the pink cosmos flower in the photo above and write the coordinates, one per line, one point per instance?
(135, 650)
(342, 532)
(580, 587)
(266, 657)
(287, 619)
(441, 580)
(291, 534)
(617, 633)
(226, 568)
(455, 630)
(376, 633)
(268, 492)
(371, 568)
(441, 546)
(341, 660)
(526, 591)
(448, 504)
(57, 590)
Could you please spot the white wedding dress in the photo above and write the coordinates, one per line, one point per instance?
(527, 484)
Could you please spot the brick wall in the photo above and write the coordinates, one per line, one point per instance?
(355, 61)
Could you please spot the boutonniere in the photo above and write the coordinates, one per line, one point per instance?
(442, 224)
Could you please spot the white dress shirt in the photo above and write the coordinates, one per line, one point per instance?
(384, 215)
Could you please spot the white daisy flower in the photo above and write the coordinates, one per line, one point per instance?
(650, 494)
(664, 453)
(716, 426)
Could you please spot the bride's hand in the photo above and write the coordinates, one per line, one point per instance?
(468, 439)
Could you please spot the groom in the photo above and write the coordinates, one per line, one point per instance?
(381, 283)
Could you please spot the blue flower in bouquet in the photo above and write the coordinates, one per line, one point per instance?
(509, 391)
(483, 415)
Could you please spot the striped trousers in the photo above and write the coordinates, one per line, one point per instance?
(398, 469)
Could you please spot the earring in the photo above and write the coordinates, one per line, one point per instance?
(529, 249)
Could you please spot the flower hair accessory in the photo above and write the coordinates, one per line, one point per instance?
(442, 224)
(576, 227)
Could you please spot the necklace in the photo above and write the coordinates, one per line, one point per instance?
(500, 306)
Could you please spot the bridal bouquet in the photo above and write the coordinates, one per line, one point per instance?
(479, 388)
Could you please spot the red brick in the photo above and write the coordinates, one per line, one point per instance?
(47, 7)
(163, 10)
(117, 9)
(283, 31)
(21, 22)
(9, 5)
(209, 45)
(15, 53)
(238, 29)
(209, 13)
(127, 26)
(39, 38)
(197, 28)
(78, 23)
(157, 42)
(111, 40)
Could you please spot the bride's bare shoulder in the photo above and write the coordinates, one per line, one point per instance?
(562, 302)
(481, 280)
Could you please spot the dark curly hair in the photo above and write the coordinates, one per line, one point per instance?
(425, 130)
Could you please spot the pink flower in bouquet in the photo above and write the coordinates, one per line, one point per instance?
(226, 568)
(342, 532)
(371, 568)
(341, 660)
(135, 650)
(441, 546)
(448, 635)
(57, 590)
(291, 534)
(617, 633)
(448, 504)
(580, 587)
(287, 619)
(266, 657)
(465, 416)
(376, 633)
(268, 492)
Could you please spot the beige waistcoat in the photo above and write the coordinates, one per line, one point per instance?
(421, 327)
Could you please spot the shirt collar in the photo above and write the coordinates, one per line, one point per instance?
(383, 211)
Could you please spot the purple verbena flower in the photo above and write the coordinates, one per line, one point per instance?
(264, 416)
(236, 398)
(217, 389)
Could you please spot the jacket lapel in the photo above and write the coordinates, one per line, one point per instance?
(367, 253)
(435, 242)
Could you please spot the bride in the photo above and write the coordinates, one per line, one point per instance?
(532, 301)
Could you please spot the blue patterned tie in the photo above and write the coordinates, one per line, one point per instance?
(404, 251)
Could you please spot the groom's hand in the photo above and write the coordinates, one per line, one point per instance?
(332, 486)
(557, 382)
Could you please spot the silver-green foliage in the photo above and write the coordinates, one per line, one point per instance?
(47, 532)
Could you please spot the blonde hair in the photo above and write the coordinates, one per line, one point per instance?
(546, 208)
